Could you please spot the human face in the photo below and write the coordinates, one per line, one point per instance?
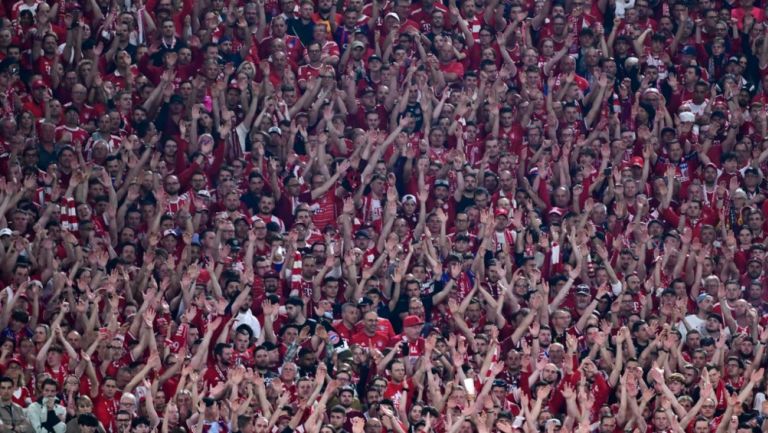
(6, 391)
(123, 422)
(109, 388)
(49, 391)
(608, 425)
(370, 322)
(708, 409)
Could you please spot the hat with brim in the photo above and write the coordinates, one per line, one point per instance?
(412, 320)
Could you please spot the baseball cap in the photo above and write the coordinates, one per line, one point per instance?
(393, 15)
(362, 234)
(687, 117)
(412, 320)
(275, 130)
(752, 170)
(689, 50)
(408, 198)
(442, 182)
(582, 289)
(6, 232)
(637, 161)
(271, 274)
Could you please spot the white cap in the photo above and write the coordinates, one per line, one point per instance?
(687, 116)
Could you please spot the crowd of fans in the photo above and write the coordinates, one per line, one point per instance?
(379, 216)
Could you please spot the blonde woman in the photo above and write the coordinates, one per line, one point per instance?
(84, 405)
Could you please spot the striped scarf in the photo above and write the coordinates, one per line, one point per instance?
(69, 214)
(296, 278)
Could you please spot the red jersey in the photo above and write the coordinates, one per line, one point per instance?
(105, 410)
(377, 341)
(214, 375)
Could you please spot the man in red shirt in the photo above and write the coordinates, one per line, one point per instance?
(370, 336)
(217, 369)
(398, 383)
(107, 403)
(36, 102)
(345, 326)
(411, 336)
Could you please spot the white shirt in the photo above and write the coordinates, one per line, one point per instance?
(247, 318)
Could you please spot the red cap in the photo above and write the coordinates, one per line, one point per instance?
(38, 84)
(203, 277)
(412, 321)
(557, 211)
(501, 212)
(637, 161)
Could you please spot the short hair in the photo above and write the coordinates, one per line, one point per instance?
(295, 300)
(219, 348)
(49, 381)
(339, 409)
(140, 420)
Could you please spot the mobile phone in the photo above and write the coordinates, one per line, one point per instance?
(469, 385)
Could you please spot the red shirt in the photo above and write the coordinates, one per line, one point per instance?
(378, 341)
(342, 330)
(213, 375)
(453, 67)
(79, 135)
(105, 411)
